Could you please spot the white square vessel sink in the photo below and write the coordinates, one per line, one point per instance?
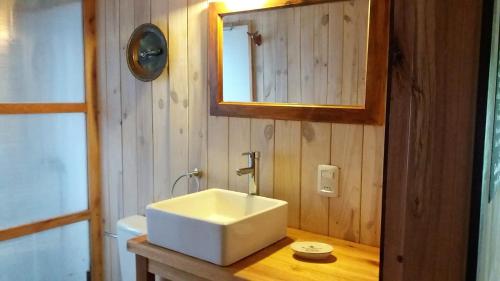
(216, 225)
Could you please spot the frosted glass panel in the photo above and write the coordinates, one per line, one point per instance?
(43, 167)
(60, 254)
(41, 51)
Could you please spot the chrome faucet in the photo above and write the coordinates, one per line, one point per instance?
(252, 171)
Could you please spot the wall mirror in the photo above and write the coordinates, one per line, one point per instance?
(299, 60)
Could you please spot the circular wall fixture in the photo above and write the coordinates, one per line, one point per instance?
(147, 52)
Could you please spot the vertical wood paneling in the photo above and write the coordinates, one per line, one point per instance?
(311, 44)
(315, 151)
(270, 57)
(362, 8)
(218, 152)
(239, 142)
(102, 104)
(371, 190)
(144, 132)
(179, 96)
(281, 54)
(198, 90)
(160, 112)
(103, 129)
(108, 257)
(287, 167)
(153, 132)
(258, 59)
(307, 15)
(320, 53)
(347, 153)
(335, 52)
(293, 55)
(112, 115)
(110, 118)
(129, 113)
(111, 265)
(262, 134)
(350, 55)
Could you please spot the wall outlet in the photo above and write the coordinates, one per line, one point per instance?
(328, 180)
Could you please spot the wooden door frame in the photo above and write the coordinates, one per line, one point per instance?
(89, 107)
(431, 118)
(93, 148)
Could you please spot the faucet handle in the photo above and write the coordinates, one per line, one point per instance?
(252, 154)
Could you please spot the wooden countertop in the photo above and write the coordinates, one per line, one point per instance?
(350, 261)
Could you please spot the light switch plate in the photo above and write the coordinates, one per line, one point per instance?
(328, 180)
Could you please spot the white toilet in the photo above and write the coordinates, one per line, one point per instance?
(128, 228)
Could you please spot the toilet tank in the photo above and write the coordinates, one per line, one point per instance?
(128, 228)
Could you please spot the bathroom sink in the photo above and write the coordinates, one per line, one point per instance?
(217, 225)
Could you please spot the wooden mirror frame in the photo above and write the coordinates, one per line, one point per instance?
(373, 112)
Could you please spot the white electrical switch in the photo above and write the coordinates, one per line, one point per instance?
(328, 180)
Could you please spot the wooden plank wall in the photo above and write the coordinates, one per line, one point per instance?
(430, 143)
(153, 132)
(312, 54)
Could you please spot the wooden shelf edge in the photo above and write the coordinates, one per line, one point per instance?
(347, 255)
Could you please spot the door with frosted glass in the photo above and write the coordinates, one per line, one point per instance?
(49, 196)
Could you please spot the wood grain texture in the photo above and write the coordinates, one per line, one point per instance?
(170, 273)
(362, 8)
(110, 125)
(281, 142)
(142, 273)
(350, 54)
(293, 55)
(218, 152)
(371, 186)
(179, 96)
(262, 140)
(315, 59)
(347, 153)
(307, 54)
(269, 57)
(160, 112)
(316, 139)
(430, 140)
(335, 53)
(144, 130)
(239, 143)
(308, 49)
(111, 118)
(287, 168)
(96, 239)
(108, 265)
(129, 113)
(198, 87)
(350, 262)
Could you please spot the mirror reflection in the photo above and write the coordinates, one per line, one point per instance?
(312, 54)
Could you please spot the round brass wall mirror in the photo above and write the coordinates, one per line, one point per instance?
(147, 52)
